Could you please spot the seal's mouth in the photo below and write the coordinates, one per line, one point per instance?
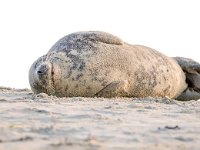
(46, 78)
(52, 75)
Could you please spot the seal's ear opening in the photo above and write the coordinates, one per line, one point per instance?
(191, 69)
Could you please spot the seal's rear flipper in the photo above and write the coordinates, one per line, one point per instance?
(189, 94)
(191, 69)
(114, 89)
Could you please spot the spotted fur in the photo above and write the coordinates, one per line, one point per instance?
(84, 63)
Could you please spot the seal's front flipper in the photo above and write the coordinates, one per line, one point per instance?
(189, 94)
(100, 36)
(191, 69)
(114, 89)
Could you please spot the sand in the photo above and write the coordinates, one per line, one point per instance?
(41, 122)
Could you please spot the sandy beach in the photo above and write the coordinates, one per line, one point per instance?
(40, 122)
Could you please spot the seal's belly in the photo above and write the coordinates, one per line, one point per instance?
(148, 73)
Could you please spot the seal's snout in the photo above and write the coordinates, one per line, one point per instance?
(43, 69)
(40, 72)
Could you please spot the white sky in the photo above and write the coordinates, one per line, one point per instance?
(28, 28)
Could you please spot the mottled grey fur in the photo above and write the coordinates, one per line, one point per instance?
(99, 64)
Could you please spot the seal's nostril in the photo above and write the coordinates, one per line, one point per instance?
(40, 72)
(43, 69)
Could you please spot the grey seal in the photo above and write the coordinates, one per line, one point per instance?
(95, 63)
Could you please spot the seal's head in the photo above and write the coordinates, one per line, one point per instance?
(44, 74)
